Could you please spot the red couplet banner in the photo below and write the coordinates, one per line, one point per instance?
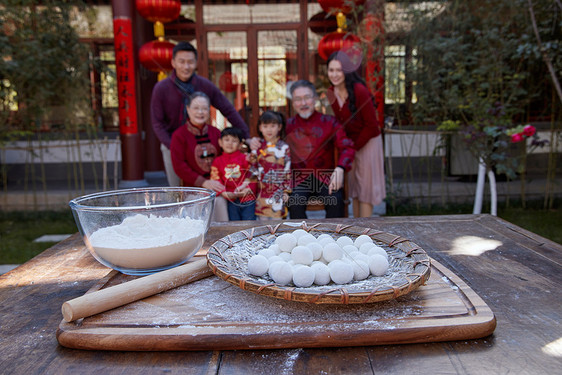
(125, 63)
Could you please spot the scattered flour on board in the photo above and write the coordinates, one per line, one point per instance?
(212, 304)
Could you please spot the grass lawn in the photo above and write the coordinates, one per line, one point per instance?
(546, 223)
(19, 229)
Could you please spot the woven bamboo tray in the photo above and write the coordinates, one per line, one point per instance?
(409, 265)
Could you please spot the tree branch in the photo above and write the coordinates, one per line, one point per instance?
(545, 56)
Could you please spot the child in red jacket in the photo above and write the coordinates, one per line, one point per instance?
(231, 168)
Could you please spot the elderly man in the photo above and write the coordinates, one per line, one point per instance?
(313, 139)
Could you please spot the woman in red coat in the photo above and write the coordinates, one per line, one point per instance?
(354, 107)
(193, 148)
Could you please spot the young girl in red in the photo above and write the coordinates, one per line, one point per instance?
(271, 164)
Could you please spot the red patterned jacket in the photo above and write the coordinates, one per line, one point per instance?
(193, 150)
(232, 170)
(313, 142)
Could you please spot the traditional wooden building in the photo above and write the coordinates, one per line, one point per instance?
(250, 49)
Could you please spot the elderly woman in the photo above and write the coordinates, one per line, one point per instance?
(193, 148)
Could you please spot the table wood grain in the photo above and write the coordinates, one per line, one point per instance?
(516, 272)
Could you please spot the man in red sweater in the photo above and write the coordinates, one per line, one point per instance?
(313, 139)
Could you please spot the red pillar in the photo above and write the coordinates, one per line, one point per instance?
(373, 32)
(153, 164)
(130, 133)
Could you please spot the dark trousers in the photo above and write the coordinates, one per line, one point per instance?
(312, 188)
(241, 211)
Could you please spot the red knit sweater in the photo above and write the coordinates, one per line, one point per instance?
(365, 124)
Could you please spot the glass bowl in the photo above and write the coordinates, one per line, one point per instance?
(146, 230)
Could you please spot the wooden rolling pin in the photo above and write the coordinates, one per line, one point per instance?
(119, 295)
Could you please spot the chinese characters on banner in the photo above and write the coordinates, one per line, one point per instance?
(124, 61)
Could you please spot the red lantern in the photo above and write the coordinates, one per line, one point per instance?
(336, 41)
(227, 82)
(322, 23)
(159, 10)
(335, 6)
(157, 56)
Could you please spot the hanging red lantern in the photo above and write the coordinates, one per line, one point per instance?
(336, 41)
(227, 82)
(335, 6)
(159, 10)
(157, 56)
(322, 23)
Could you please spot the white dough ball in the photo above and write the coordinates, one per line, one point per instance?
(347, 260)
(364, 248)
(275, 248)
(302, 255)
(325, 235)
(275, 258)
(364, 257)
(362, 239)
(286, 242)
(273, 267)
(258, 265)
(299, 232)
(321, 273)
(348, 249)
(355, 254)
(303, 276)
(268, 253)
(305, 239)
(296, 266)
(341, 272)
(378, 250)
(316, 249)
(344, 240)
(285, 256)
(361, 270)
(324, 241)
(378, 265)
(283, 274)
(331, 252)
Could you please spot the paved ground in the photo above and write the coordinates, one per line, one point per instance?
(7, 267)
(448, 190)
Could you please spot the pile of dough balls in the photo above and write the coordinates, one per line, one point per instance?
(303, 259)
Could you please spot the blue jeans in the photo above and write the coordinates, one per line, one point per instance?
(241, 211)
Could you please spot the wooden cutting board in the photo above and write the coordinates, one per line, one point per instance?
(212, 314)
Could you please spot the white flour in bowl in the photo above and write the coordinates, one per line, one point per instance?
(148, 241)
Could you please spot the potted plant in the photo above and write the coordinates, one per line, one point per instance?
(489, 138)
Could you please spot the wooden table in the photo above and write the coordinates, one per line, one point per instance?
(517, 273)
